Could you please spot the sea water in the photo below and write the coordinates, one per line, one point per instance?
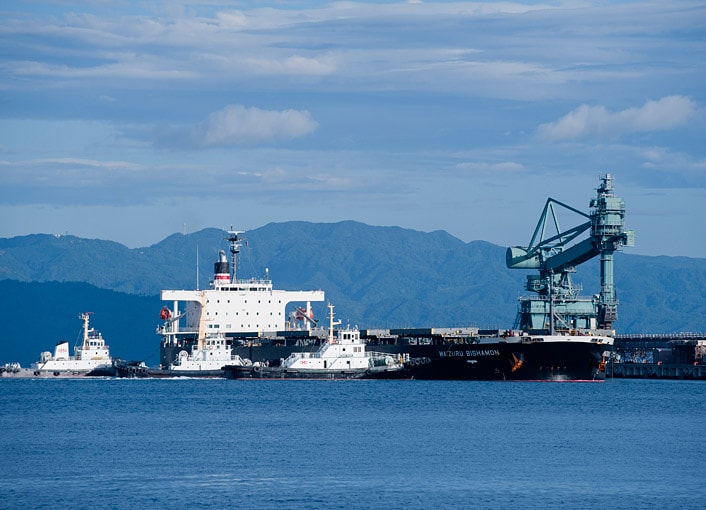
(188, 443)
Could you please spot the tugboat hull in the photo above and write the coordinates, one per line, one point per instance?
(238, 372)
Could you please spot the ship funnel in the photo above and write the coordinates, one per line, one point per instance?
(221, 269)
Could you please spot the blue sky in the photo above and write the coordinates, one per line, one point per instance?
(130, 121)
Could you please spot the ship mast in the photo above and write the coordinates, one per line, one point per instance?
(235, 241)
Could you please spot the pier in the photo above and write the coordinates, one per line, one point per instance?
(659, 356)
(655, 371)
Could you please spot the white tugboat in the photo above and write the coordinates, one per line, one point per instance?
(206, 359)
(210, 355)
(91, 358)
(343, 356)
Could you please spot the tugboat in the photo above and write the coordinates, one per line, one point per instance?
(343, 356)
(91, 358)
(206, 359)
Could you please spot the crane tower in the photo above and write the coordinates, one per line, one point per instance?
(557, 305)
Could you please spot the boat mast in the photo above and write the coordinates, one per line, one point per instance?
(331, 323)
(84, 318)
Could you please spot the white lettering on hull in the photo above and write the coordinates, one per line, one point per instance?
(475, 353)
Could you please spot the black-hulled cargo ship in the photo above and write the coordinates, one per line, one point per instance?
(444, 354)
(557, 336)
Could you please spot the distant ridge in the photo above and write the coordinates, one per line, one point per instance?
(376, 277)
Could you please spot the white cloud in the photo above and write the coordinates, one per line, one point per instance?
(86, 163)
(597, 122)
(478, 166)
(293, 65)
(237, 125)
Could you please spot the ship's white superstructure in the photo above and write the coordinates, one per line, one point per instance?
(230, 306)
(92, 355)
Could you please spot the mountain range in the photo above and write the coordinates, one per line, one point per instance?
(376, 277)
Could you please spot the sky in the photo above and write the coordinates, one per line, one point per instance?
(130, 121)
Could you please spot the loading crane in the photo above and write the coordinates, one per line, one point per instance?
(557, 304)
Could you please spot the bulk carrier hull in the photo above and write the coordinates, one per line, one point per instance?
(538, 358)
(513, 362)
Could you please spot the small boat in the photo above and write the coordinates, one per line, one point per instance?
(343, 356)
(14, 369)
